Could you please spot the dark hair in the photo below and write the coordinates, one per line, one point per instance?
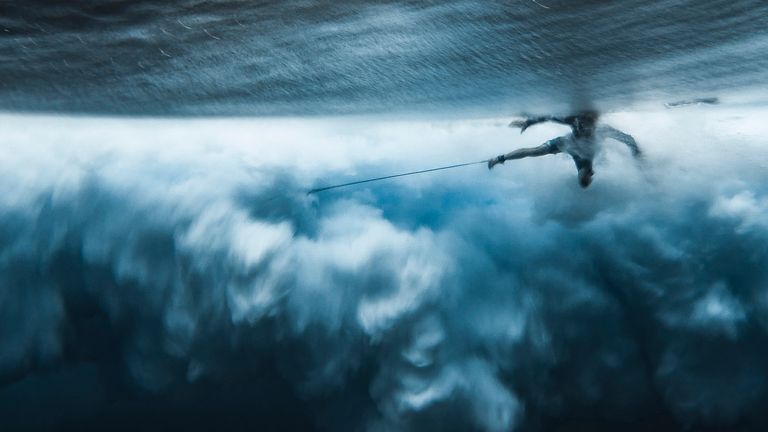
(585, 179)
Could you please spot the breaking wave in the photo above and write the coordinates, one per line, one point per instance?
(160, 273)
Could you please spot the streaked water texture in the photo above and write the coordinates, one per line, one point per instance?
(241, 58)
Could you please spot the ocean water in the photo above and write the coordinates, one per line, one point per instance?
(162, 266)
(227, 58)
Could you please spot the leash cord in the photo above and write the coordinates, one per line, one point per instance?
(321, 189)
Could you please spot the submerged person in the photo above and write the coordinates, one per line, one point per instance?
(581, 144)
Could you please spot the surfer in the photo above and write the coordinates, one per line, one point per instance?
(580, 144)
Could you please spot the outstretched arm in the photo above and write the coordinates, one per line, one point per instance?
(620, 136)
(544, 149)
(525, 124)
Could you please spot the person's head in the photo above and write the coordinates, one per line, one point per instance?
(585, 177)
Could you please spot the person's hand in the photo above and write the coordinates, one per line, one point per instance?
(522, 124)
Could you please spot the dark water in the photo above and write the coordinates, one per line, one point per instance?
(303, 57)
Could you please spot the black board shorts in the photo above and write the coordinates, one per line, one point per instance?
(556, 145)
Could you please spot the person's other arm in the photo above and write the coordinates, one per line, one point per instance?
(525, 124)
(620, 136)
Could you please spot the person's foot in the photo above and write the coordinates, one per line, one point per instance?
(495, 161)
